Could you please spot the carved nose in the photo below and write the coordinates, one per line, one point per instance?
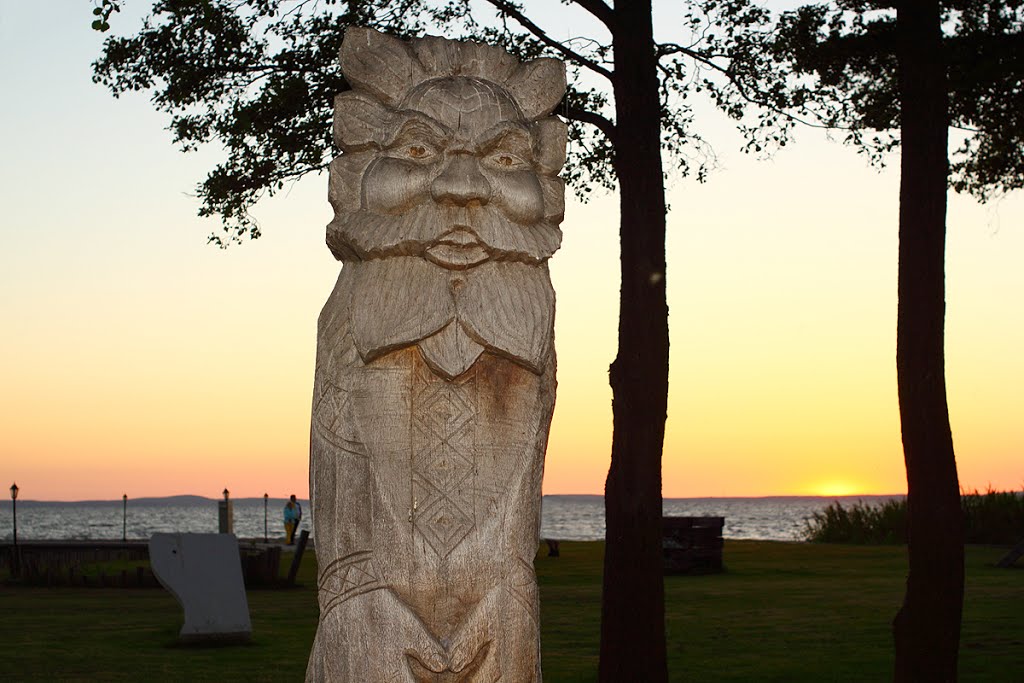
(461, 183)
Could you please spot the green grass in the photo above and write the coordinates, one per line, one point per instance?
(782, 612)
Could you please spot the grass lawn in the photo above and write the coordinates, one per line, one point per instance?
(782, 612)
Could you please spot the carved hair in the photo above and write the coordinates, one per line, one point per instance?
(387, 69)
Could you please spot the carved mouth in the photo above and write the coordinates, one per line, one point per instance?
(457, 249)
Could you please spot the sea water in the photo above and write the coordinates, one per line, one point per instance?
(564, 517)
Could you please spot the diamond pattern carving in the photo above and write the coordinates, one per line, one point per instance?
(443, 415)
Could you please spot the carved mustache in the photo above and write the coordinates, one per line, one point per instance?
(363, 235)
(504, 307)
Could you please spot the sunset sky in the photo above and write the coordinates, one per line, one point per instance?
(136, 359)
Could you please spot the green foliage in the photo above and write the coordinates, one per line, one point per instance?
(994, 517)
(782, 612)
(257, 78)
(834, 65)
(859, 523)
(103, 9)
(739, 71)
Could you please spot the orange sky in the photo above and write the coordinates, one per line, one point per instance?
(138, 360)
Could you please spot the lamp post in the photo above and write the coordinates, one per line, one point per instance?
(266, 535)
(226, 513)
(14, 511)
(124, 518)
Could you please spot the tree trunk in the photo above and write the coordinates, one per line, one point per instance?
(927, 628)
(632, 606)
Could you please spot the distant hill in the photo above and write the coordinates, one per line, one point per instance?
(162, 501)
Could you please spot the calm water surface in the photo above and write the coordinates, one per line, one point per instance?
(564, 517)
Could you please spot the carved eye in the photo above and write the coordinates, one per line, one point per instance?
(507, 161)
(418, 150)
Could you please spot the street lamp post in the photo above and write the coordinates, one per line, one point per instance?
(14, 511)
(15, 555)
(266, 534)
(124, 518)
(226, 513)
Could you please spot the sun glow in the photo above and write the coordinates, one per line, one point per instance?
(836, 487)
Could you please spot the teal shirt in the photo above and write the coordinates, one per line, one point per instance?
(291, 514)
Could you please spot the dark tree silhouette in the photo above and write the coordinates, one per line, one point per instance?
(887, 74)
(633, 599)
(927, 627)
(258, 77)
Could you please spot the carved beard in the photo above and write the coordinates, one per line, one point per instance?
(503, 307)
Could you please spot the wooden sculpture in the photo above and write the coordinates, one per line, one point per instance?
(435, 373)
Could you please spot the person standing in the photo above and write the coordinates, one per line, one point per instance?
(298, 516)
(291, 520)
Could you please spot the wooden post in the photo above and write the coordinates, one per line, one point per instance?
(1009, 558)
(299, 549)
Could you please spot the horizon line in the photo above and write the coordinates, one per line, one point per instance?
(546, 495)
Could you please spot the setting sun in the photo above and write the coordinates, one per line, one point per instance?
(836, 487)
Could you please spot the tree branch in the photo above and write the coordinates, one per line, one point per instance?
(601, 10)
(510, 10)
(594, 119)
(667, 49)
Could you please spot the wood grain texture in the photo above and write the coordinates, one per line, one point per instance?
(435, 376)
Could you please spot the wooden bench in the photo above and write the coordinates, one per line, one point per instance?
(692, 545)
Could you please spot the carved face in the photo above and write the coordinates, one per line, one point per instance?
(449, 154)
(481, 160)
